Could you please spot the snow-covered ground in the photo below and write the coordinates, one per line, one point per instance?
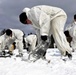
(15, 65)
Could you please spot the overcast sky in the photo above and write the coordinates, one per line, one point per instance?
(10, 10)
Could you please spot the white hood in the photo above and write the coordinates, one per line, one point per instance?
(26, 10)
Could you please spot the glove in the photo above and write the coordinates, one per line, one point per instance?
(44, 38)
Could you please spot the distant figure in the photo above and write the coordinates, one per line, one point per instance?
(31, 41)
(10, 36)
(72, 32)
(48, 20)
(12, 46)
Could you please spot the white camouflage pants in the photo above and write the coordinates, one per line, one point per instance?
(57, 27)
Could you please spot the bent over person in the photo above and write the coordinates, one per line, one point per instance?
(12, 35)
(31, 41)
(48, 20)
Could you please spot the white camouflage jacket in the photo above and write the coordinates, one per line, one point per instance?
(42, 15)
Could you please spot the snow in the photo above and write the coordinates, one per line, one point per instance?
(15, 65)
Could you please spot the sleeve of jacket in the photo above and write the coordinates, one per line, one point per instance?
(40, 17)
(44, 21)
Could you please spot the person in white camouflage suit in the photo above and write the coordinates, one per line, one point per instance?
(48, 20)
(10, 36)
(31, 41)
(72, 31)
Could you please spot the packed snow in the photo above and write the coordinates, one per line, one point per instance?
(17, 66)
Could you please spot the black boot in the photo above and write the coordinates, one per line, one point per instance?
(3, 53)
(69, 55)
